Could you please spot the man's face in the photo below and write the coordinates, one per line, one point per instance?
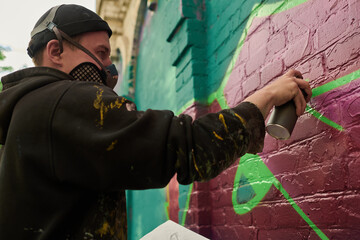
(96, 42)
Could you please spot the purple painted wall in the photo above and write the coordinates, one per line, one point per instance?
(319, 166)
(303, 188)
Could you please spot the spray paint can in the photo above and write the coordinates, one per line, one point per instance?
(282, 120)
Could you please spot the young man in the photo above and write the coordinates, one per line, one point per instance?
(71, 146)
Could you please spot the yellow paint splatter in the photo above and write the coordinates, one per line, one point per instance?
(217, 136)
(241, 119)
(112, 145)
(100, 105)
(222, 119)
(104, 229)
(196, 167)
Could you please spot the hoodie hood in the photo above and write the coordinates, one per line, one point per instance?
(18, 84)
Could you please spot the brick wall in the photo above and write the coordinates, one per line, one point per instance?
(198, 56)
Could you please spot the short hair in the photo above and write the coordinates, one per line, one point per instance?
(38, 57)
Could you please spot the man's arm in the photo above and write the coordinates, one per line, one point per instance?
(110, 147)
(282, 90)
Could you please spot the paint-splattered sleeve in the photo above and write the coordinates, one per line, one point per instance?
(216, 140)
(100, 142)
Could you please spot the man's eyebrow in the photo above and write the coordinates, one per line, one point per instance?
(107, 49)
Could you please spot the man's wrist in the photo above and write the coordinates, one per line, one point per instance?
(263, 99)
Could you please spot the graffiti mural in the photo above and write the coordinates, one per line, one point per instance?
(213, 54)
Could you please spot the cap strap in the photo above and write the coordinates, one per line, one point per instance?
(44, 24)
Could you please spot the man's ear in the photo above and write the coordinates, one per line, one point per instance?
(53, 52)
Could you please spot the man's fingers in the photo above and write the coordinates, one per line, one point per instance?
(300, 103)
(305, 86)
(294, 73)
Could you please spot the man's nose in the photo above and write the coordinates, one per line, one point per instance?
(107, 62)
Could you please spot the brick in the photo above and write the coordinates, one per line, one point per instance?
(232, 91)
(200, 186)
(246, 233)
(354, 138)
(224, 232)
(203, 217)
(348, 211)
(296, 30)
(323, 211)
(221, 198)
(289, 233)
(343, 51)
(283, 162)
(280, 21)
(190, 217)
(183, 89)
(272, 195)
(218, 217)
(262, 216)
(255, 61)
(354, 169)
(244, 53)
(325, 149)
(333, 28)
(351, 107)
(312, 69)
(200, 199)
(285, 217)
(271, 71)
(189, 11)
(329, 177)
(338, 234)
(276, 43)
(232, 218)
(250, 84)
(297, 50)
(184, 80)
(306, 127)
(202, 88)
(193, 54)
(189, 33)
(354, 9)
(270, 144)
(205, 231)
(259, 38)
(172, 18)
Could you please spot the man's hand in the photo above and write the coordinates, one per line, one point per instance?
(287, 87)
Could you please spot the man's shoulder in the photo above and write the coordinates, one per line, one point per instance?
(33, 73)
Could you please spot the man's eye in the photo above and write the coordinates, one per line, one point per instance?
(102, 54)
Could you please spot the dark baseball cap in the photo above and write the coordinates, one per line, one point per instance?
(71, 19)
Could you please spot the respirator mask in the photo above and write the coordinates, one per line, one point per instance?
(108, 74)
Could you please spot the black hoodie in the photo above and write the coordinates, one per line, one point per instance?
(71, 148)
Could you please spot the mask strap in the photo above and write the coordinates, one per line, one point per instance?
(110, 80)
(76, 44)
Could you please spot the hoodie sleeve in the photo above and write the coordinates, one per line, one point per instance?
(99, 141)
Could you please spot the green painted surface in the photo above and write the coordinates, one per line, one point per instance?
(156, 89)
(146, 211)
(155, 80)
(184, 201)
(259, 178)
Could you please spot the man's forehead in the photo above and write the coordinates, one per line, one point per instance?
(99, 38)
